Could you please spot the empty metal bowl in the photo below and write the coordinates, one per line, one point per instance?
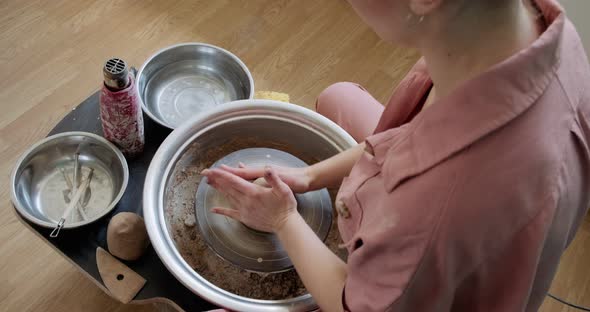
(40, 190)
(183, 80)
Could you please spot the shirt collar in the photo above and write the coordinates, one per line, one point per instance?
(403, 105)
(475, 109)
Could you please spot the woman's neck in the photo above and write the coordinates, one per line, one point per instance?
(474, 42)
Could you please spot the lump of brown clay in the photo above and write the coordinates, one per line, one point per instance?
(127, 237)
(261, 181)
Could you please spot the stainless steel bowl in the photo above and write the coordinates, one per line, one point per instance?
(310, 133)
(183, 80)
(38, 183)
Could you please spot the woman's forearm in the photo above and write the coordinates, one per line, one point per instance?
(330, 172)
(321, 271)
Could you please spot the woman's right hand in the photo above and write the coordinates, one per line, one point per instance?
(298, 179)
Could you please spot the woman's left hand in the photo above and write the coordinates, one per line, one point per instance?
(261, 208)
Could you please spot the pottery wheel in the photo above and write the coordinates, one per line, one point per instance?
(245, 247)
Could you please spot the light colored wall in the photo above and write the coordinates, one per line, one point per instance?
(579, 12)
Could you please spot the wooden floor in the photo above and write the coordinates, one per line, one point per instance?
(51, 54)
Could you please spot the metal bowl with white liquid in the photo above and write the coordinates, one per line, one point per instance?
(41, 182)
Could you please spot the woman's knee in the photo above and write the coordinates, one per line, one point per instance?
(335, 95)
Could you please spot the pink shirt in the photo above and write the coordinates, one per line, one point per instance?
(468, 205)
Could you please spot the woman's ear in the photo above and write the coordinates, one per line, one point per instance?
(424, 7)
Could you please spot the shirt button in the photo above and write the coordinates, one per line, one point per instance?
(342, 209)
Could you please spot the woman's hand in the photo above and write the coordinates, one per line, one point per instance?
(298, 179)
(261, 208)
(273, 209)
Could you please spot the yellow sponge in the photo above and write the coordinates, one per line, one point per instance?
(271, 95)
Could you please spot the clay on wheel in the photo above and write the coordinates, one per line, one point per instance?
(261, 181)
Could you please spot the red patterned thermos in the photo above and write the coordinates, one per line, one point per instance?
(120, 109)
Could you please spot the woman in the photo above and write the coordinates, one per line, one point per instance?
(464, 192)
